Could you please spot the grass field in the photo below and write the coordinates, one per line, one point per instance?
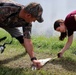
(15, 61)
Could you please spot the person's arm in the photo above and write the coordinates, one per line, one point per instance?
(27, 39)
(29, 47)
(67, 45)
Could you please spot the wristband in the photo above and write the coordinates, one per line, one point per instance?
(34, 58)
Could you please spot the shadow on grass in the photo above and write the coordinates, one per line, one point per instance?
(7, 70)
(10, 71)
(14, 71)
(67, 63)
(20, 71)
(5, 61)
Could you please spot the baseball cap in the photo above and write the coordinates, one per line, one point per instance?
(35, 10)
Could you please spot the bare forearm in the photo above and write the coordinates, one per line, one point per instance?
(67, 45)
(29, 47)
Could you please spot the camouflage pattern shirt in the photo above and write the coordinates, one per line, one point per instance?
(9, 17)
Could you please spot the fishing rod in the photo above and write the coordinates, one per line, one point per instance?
(3, 46)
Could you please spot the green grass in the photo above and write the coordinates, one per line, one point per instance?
(14, 60)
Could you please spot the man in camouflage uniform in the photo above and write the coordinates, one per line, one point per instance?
(13, 16)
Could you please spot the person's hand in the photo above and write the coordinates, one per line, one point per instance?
(60, 54)
(37, 64)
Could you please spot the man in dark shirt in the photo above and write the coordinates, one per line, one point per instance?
(13, 16)
(66, 27)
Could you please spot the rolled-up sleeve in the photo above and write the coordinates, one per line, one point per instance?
(27, 30)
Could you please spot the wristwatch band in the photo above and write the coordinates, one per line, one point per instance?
(33, 58)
